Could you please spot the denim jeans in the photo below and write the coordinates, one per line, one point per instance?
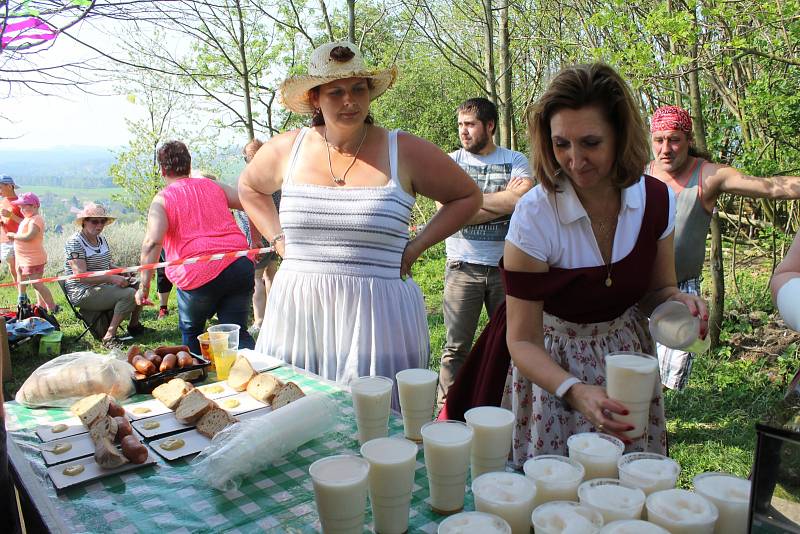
(229, 296)
(468, 287)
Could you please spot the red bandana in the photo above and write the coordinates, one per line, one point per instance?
(671, 118)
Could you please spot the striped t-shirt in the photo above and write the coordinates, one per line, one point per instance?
(97, 258)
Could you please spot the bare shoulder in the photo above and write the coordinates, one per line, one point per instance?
(411, 145)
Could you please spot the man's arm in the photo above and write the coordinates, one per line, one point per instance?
(503, 202)
(157, 225)
(724, 179)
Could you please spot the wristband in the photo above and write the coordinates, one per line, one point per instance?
(277, 238)
(565, 387)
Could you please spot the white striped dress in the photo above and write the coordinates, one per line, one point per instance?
(338, 306)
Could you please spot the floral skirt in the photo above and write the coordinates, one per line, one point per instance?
(543, 425)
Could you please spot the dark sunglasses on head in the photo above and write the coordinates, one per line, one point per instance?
(96, 221)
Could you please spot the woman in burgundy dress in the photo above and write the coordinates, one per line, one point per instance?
(588, 254)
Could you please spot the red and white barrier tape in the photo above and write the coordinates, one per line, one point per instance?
(149, 266)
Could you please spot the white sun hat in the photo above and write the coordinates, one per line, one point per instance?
(330, 62)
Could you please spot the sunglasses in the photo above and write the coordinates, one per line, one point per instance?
(96, 221)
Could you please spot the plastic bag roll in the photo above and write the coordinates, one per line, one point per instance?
(247, 447)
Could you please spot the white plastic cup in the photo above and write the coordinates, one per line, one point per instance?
(340, 491)
(598, 453)
(648, 471)
(491, 442)
(681, 511)
(233, 333)
(557, 477)
(446, 445)
(566, 516)
(507, 495)
(612, 498)
(674, 326)
(392, 462)
(417, 391)
(631, 379)
(473, 522)
(632, 526)
(372, 399)
(731, 495)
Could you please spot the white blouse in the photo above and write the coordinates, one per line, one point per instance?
(555, 228)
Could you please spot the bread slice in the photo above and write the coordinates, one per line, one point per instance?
(103, 428)
(170, 393)
(241, 373)
(264, 387)
(288, 393)
(214, 421)
(107, 455)
(192, 407)
(91, 408)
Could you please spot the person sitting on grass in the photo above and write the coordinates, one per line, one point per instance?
(29, 251)
(86, 250)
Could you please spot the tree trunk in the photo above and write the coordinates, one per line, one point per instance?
(488, 54)
(248, 101)
(507, 113)
(327, 19)
(351, 21)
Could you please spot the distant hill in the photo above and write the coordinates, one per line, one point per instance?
(67, 166)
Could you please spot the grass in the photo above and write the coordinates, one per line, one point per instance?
(711, 422)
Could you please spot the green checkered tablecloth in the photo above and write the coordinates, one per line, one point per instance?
(167, 498)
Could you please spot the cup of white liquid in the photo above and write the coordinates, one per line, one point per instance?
(372, 398)
(648, 471)
(681, 511)
(491, 441)
(631, 379)
(446, 445)
(674, 326)
(557, 477)
(632, 526)
(557, 517)
(474, 523)
(731, 495)
(508, 495)
(340, 491)
(392, 462)
(598, 453)
(612, 498)
(417, 390)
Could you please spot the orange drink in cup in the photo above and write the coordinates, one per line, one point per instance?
(217, 343)
(224, 361)
(205, 349)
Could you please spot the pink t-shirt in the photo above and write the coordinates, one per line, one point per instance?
(30, 253)
(199, 223)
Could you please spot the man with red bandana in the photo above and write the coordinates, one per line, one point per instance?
(697, 184)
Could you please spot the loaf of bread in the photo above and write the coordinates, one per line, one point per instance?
(214, 421)
(91, 408)
(107, 455)
(288, 393)
(192, 407)
(241, 373)
(170, 393)
(264, 387)
(104, 428)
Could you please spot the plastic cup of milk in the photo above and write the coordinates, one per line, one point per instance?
(557, 517)
(340, 491)
(648, 471)
(612, 498)
(731, 495)
(632, 526)
(631, 379)
(598, 453)
(372, 399)
(507, 495)
(417, 391)
(557, 477)
(473, 523)
(392, 462)
(674, 326)
(681, 511)
(446, 445)
(491, 441)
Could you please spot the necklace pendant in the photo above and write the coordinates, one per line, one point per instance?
(338, 181)
(608, 281)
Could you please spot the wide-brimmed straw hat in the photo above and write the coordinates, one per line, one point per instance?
(330, 62)
(92, 210)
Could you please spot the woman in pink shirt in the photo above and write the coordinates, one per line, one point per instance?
(191, 217)
(29, 249)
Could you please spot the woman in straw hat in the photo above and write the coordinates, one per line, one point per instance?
(86, 250)
(341, 305)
